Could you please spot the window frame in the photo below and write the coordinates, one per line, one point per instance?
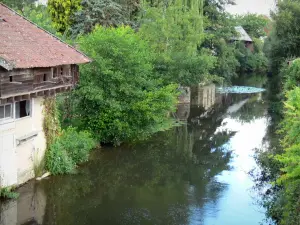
(30, 114)
(13, 112)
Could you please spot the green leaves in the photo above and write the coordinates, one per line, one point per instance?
(175, 33)
(97, 12)
(253, 24)
(61, 12)
(120, 98)
(68, 150)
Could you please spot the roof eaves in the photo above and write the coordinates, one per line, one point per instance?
(90, 60)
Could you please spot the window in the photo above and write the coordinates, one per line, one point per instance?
(5, 111)
(54, 72)
(23, 109)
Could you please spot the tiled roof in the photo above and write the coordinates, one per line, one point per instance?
(24, 45)
(242, 34)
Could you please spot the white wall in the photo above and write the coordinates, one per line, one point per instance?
(17, 161)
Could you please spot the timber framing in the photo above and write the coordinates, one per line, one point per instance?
(23, 84)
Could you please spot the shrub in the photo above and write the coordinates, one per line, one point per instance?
(68, 150)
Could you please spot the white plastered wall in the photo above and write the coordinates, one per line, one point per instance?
(23, 157)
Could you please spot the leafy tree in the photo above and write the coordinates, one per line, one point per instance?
(97, 12)
(120, 100)
(253, 24)
(62, 11)
(18, 4)
(175, 32)
(284, 40)
(219, 27)
(40, 16)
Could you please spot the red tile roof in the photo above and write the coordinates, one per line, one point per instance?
(25, 45)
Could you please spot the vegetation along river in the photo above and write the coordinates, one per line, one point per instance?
(196, 173)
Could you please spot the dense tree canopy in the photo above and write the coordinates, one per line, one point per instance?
(62, 11)
(253, 24)
(120, 99)
(97, 12)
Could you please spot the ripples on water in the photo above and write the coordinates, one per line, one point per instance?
(193, 174)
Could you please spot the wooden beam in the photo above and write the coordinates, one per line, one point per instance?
(40, 93)
(33, 95)
(3, 101)
(18, 98)
(26, 97)
(10, 100)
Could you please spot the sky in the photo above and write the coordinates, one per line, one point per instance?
(252, 6)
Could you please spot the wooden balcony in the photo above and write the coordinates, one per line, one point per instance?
(19, 85)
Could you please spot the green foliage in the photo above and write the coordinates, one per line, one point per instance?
(8, 193)
(97, 12)
(175, 32)
(227, 61)
(40, 16)
(253, 24)
(120, 99)
(18, 4)
(284, 40)
(51, 125)
(291, 75)
(252, 60)
(290, 159)
(68, 150)
(62, 11)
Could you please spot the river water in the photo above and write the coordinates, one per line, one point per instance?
(194, 174)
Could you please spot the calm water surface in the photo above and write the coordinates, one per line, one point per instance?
(194, 174)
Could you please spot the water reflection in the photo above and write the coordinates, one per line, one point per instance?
(193, 174)
(29, 209)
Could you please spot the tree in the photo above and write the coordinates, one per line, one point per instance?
(18, 4)
(284, 40)
(253, 24)
(119, 98)
(62, 11)
(40, 16)
(106, 13)
(219, 29)
(175, 32)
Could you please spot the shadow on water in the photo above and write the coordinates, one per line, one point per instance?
(192, 174)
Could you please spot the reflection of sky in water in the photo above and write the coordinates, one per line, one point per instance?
(234, 205)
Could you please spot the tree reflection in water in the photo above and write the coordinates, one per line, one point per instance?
(164, 180)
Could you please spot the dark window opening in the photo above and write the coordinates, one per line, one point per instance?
(61, 71)
(23, 109)
(45, 77)
(54, 72)
(10, 79)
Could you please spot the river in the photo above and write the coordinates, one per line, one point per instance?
(194, 174)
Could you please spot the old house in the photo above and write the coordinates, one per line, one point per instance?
(243, 36)
(34, 64)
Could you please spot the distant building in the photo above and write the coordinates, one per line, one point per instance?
(244, 37)
(34, 64)
(42, 2)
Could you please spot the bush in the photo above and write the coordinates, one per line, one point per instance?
(68, 150)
